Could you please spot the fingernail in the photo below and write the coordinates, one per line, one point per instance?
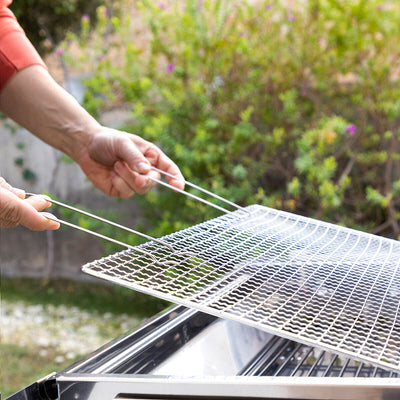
(52, 220)
(19, 192)
(143, 167)
(49, 216)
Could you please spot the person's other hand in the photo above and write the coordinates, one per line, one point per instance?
(15, 209)
(117, 163)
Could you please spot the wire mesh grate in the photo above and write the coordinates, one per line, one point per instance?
(303, 279)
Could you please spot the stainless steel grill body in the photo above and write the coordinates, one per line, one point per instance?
(316, 283)
(186, 354)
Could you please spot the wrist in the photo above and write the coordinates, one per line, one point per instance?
(34, 100)
(77, 134)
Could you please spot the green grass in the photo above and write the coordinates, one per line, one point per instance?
(21, 366)
(87, 296)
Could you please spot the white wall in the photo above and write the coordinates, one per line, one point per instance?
(63, 252)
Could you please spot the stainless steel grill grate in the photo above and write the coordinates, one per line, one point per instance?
(303, 279)
(284, 357)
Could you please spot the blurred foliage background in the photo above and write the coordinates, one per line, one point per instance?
(296, 107)
(47, 22)
(289, 104)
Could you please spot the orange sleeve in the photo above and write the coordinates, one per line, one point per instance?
(16, 51)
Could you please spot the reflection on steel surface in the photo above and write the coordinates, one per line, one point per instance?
(303, 279)
(186, 354)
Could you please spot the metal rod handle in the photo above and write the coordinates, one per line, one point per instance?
(166, 263)
(99, 235)
(106, 221)
(161, 172)
(187, 194)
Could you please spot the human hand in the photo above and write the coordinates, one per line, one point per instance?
(16, 209)
(117, 163)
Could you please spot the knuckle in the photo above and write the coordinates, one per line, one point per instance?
(153, 151)
(10, 216)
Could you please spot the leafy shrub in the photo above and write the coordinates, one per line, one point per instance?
(46, 21)
(297, 109)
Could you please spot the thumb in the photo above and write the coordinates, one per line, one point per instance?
(15, 211)
(133, 157)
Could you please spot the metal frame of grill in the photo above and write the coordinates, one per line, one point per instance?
(313, 282)
(228, 360)
(281, 283)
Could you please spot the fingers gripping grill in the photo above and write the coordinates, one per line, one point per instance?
(316, 283)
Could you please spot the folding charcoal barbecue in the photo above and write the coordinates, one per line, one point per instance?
(271, 305)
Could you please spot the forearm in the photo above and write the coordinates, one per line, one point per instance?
(34, 100)
(116, 162)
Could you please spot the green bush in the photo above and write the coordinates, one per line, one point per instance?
(297, 109)
(46, 22)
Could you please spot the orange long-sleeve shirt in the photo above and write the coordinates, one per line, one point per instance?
(16, 51)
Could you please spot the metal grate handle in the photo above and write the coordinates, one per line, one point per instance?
(187, 183)
(106, 221)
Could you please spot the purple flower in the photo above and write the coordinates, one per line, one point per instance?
(162, 6)
(105, 12)
(85, 17)
(170, 67)
(60, 51)
(351, 129)
(268, 6)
